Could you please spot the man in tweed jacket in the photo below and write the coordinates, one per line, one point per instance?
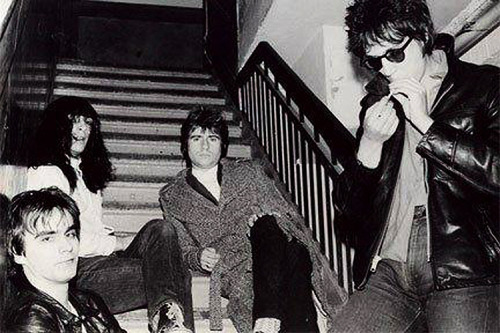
(234, 224)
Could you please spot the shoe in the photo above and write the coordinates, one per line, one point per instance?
(171, 320)
(267, 325)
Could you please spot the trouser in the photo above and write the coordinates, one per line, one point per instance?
(400, 297)
(281, 278)
(150, 272)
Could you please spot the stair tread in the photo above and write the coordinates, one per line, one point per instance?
(155, 97)
(139, 91)
(138, 83)
(75, 66)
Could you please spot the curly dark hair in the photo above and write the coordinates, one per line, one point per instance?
(53, 143)
(373, 21)
(206, 118)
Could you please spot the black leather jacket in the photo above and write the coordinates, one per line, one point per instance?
(461, 150)
(31, 310)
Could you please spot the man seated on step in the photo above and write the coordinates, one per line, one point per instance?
(127, 272)
(43, 229)
(234, 224)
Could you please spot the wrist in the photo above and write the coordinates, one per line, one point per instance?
(369, 152)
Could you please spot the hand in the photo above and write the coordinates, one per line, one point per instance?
(379, 125)
(413, 98)
(122, 242)
(208, 258)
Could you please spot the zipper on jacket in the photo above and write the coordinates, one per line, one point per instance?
(427, 219)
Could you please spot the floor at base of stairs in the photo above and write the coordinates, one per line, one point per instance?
(136, 322)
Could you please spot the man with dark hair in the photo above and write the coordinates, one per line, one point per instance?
(43, 230)
(421, 201)
(128, 272)
(267, 271)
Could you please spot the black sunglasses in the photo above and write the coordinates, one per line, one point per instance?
(393, 55)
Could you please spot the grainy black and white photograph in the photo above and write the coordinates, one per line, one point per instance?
(249, 166)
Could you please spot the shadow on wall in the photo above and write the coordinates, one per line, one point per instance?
(28, 49)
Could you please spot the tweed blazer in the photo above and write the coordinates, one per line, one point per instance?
(201, 222)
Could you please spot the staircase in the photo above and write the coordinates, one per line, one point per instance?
(141, 112)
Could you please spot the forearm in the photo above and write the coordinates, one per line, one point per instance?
(468, 157)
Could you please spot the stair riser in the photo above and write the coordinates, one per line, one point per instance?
(129, 220)
(142, 112)
(132, 193)
(135, 84)
(152, 169)
(130, 71)
(153, 129)
(139, 97)
(165, 149)
(127, 111)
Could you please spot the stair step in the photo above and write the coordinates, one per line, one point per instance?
(130, 71)
(132, 83)
(130, 220)
(163, 148)
(132, 193)
(148, 167)
(138, 97)
(133, 111)
(134, 321)
(148, 128)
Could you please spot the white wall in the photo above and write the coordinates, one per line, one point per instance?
(309, 35)
(290, 25)
(4, 9)
(487, 51)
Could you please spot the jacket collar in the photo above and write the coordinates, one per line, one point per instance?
(180, 194)
(66, 317)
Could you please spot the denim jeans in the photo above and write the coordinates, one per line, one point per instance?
(400, 297)
(150, 272)
(281, 278)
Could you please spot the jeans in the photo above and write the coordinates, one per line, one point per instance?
(400, 297)
(150, 272)
(281, 278)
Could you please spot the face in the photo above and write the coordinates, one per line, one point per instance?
(80, 133)
(51, 254)
(204, 148)
(412, 66)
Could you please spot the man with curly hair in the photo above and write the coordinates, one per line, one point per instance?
(128, 272)
(421, 199)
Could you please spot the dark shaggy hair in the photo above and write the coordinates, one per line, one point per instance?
(53, 143)
(31, 211)
(374, 21)
(206, 118)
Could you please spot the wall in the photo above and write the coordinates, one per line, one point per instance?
(309, 35)
(27, 53)
(487, 51)
(137, 34)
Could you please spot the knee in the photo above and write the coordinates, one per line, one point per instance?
(266, 226)
(161, 227)
(266, 223)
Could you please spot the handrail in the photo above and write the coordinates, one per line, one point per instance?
(304, 141)
(325, 122)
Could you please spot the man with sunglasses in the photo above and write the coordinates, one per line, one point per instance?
(421, 199)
